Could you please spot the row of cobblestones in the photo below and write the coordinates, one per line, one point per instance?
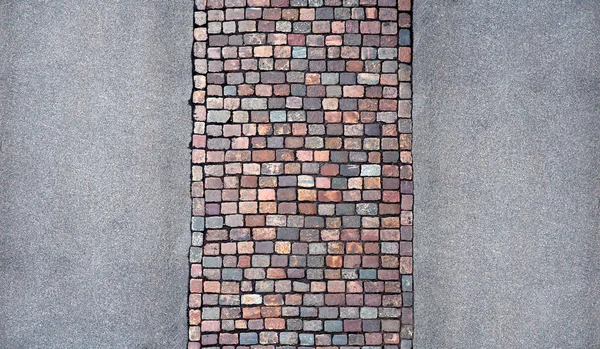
(301, 175)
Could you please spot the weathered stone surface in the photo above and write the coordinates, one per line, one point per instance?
(305, 114)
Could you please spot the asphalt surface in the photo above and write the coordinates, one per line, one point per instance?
(94, 173)
(507, 153)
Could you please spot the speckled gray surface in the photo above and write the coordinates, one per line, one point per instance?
(507, 188)
(94, 170)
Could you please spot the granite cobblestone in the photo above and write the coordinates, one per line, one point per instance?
(301, 175)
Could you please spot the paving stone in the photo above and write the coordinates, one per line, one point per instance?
(214, 222)
(195, 255)
(339, 339)
(248, 338)
(218, 116)
(288, 338)
(404, 37)
(370, 170)
(197, 223)
(334, 326)
(368, 78)
(231, 274)
(307, 339)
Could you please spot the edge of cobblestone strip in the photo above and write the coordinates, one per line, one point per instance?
(405, 142)
(198, 142)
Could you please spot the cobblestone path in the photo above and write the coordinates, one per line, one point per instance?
(302, 175)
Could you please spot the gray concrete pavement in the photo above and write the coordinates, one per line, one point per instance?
(507, 153)
(94, 170)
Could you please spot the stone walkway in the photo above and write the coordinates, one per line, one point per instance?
(302, 175)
